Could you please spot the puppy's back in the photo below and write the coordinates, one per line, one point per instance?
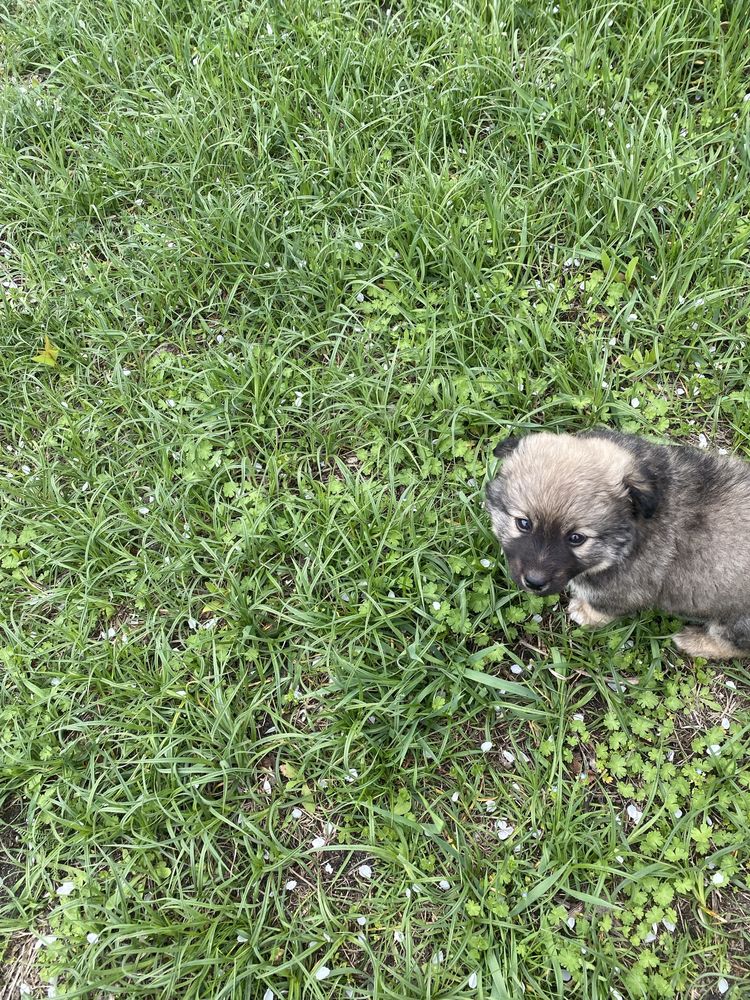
(700, 528)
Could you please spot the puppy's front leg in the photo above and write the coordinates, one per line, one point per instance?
(581, 612)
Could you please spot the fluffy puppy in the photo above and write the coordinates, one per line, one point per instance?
(628, 525)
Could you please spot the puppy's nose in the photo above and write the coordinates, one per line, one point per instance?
(534, 582)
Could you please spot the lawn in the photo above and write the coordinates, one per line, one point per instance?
(276, 276)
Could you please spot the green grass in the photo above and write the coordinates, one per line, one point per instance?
(304, 264)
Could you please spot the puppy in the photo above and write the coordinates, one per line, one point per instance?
(629, 525)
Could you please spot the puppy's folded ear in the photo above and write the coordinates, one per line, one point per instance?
(642, 486)
(505, 447)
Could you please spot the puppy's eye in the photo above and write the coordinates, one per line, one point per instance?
(523, 524)
(576, 538)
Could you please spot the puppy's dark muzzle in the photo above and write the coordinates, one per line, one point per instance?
(547, 588)
(538, 583)
(538, 576)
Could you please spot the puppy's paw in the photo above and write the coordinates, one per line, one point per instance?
(582, 613)
(691, 640)
(706, 643)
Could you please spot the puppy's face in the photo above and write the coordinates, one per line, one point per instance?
(565, 505)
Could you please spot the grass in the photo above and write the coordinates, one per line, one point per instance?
(269, 703)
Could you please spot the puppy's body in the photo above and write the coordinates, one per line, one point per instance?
(630, 525)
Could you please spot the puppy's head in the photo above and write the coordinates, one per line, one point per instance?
(565, 505)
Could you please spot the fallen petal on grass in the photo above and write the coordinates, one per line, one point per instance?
(634, 813)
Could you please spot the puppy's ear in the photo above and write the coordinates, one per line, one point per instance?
(642, 485)
(505, 447)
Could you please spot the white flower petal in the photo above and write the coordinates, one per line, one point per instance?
(365, 871)
(92, 938)
(486, 746)
(241, 938)
(323, 972)
(473, 980)
(65, 889)
(722, 986)
(634, 812)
